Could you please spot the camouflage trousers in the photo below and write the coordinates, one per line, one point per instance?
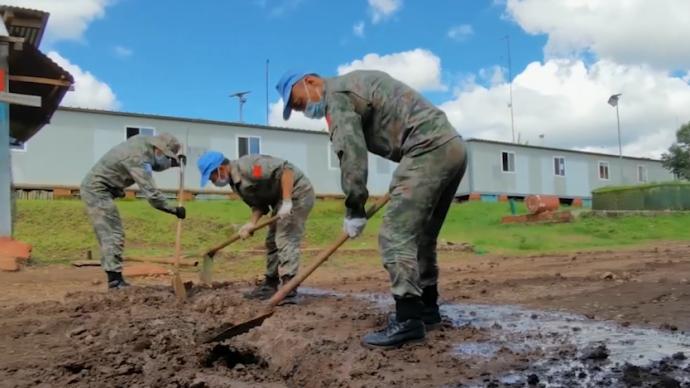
(422, 191)
(284, 237)
(106, 223)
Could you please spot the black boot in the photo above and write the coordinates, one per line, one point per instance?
(115, 280)
(292, 297)
(264, 290)
(430, 313)
(407, 327)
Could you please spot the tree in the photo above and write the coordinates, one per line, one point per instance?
(677, 159)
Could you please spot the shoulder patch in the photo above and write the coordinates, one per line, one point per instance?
(328, 120)
(256, 171)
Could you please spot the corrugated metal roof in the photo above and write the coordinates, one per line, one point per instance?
(25, 23)
(189, 120)
(557, 149)
(23, 9)
(25, 121)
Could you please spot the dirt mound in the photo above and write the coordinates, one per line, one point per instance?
(137, 336)
(141, 337)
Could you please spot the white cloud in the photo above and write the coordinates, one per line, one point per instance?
(283, 7)
(297, 119)
(123, 52)
(494, 75)
(627, 32)
(358, 29)
(383, 9)
(650, 145)
(68, 18)
(88, 92)
(567, 101)
(461, 32)
(419, 68)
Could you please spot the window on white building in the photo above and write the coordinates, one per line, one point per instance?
(16, 145)
(641, 174)
(248, 145)
(604, 171)
(507, 161)
(559, 166)
(133, 131)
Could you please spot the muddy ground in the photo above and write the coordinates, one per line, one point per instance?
(612, 318)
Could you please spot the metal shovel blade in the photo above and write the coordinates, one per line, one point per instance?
(206, 273)
(178, 286)
(225, 333)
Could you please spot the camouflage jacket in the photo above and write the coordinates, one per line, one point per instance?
(370, 110)
(127, 163)
(256, 179)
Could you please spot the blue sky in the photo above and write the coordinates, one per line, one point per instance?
(183, 58)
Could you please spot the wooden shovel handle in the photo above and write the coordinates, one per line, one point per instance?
(323, 256)
(178, 234)
(212, 252)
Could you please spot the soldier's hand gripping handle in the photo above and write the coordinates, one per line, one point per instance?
(179, 212)
(179, 161)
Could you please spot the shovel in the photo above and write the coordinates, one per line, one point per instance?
(228, 331)
(207, 263)
(178, 285)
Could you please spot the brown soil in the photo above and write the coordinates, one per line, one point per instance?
(54, 335)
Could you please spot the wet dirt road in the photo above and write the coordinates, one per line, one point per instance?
(614, 318)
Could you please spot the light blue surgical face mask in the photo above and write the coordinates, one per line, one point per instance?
(162, 162)
(220, 182)
(314, 110)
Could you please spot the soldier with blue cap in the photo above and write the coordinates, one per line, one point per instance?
(369, 111)
(267, 184)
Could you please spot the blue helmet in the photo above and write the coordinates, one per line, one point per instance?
(208, 163)
(284, 88)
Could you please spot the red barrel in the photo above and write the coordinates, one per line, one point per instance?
(540, 203)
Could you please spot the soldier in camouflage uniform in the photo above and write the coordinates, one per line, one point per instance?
(267, 184)
(371, 111)
(132, 161)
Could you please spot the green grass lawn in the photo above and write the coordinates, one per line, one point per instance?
(60, 231)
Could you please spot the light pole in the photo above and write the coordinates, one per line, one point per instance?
(613, 101)
(242, 99)
(267, 108)
(510, 86)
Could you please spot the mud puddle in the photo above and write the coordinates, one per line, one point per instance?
(559, 349)
(567, 349)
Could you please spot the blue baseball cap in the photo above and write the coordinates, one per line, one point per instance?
(208, 163)
(284, 88)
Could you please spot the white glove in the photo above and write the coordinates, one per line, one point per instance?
(246, 230)
(354, 226)
(285, 209)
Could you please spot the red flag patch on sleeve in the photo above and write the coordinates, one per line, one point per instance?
(328, 120)
(256, 171)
